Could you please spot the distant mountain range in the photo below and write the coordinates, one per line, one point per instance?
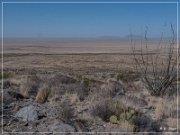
(134, 36)
(100, 38)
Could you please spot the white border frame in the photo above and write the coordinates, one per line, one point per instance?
(177, 17)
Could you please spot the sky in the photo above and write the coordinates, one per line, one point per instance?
(87, 20)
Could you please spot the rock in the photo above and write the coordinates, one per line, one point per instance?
(28, 113)
(59, 126)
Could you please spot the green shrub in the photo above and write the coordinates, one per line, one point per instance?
(127, 116)
(113, 119)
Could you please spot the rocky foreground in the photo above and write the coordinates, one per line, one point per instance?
(74, 102)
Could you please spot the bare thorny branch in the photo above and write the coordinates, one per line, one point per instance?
(158, 70)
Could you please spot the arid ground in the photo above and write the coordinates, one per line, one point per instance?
(63, 85)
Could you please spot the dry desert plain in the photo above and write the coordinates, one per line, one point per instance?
(79, 85)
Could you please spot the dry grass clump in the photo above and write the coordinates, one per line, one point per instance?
(127, 127)
(43, 94)
(114, 111)
(111, 88)
(78, 76)
(59, 79)
(55, 94)
(67, 113)
(17, 80)
(72, 98)
(166, 108)
(101, 91)
(29, 86)
(62, 84)
(160, 109)
(172, 122)
(74, 89)
(24, 89)
(132, 101)
(84, 80)
(127, 76)
(108, 107)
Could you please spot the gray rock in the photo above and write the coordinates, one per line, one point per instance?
(28, 113)
(59, 126)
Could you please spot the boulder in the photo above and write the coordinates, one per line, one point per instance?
(28, 113)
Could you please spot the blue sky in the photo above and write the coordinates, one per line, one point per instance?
(87, 20)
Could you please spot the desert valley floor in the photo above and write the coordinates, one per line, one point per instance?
(79, 86)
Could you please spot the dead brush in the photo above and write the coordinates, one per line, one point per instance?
(127, 76)
(43, 94)
(105, 109)
(166, 108)
(158, 70)
(115, 112)
(128, 127)
(29, 86)
(67, 112)
(73, 98)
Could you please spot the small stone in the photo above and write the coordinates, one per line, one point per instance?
(61, 127)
